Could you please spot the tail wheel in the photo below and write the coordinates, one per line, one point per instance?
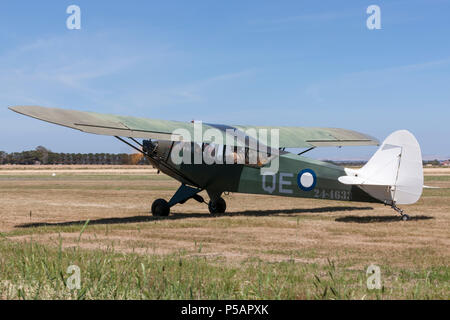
(217, 206)
(160, 208)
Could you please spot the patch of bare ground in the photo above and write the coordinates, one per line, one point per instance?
(436, 171)
(255, 227)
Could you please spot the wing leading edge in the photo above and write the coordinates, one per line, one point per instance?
(125, 126)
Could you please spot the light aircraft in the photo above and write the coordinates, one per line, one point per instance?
(393, 176)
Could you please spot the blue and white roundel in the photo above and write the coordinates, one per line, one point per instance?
(306, 180)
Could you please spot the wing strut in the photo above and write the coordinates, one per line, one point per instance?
(134, 147)
(307, 150)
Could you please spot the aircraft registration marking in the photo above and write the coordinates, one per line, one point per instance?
(331, 194)
(282, 183)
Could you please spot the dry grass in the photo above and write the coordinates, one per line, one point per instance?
(257, 228)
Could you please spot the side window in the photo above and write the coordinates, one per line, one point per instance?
(257, 159)
(220, 154)
(212, 153)
(234, 155)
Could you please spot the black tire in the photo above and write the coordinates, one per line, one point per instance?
(160, 208)
(217, 206)
(405, 217)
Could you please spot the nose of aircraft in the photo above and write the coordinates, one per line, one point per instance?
(157, 148)
(149, 146)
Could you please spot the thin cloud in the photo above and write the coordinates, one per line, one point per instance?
(193, 92)
(36, 70)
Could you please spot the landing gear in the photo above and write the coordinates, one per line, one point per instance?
(160, 208)
(217, 206)
(404, 217)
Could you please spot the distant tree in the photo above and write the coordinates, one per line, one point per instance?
(3, 156)
(77, 158)
(45, 156)
(42, 154)
(90, 158)
(436, 162)
(107, 158)
(124, 158)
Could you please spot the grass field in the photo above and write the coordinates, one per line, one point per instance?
(264, 248)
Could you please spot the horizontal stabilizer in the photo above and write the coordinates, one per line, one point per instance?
(352, 180)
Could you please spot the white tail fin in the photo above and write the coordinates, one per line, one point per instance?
(394, 174)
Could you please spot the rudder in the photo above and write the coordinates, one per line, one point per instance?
(394, 174)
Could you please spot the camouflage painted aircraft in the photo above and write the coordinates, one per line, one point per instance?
(393, 176)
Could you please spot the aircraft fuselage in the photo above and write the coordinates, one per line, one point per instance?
(297, 176)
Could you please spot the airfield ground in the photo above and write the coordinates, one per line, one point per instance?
(263, 248)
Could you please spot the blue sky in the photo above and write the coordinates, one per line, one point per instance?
(296, 63)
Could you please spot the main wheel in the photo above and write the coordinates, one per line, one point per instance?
(405, 217)
(160, 208)
(217, 206)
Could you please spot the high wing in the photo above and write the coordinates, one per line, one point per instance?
(125, 126)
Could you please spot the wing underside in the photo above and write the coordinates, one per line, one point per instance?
(125, 126)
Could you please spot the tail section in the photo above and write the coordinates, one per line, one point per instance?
(394, 174)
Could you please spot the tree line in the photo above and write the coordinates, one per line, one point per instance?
(42, 155)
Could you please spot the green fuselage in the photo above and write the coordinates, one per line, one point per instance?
(218, 178)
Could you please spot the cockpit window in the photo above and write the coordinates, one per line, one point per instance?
(234, 155)
(220, 154)
(249, 157)
(212, 153)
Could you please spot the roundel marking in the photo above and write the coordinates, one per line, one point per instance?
(306, 179)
